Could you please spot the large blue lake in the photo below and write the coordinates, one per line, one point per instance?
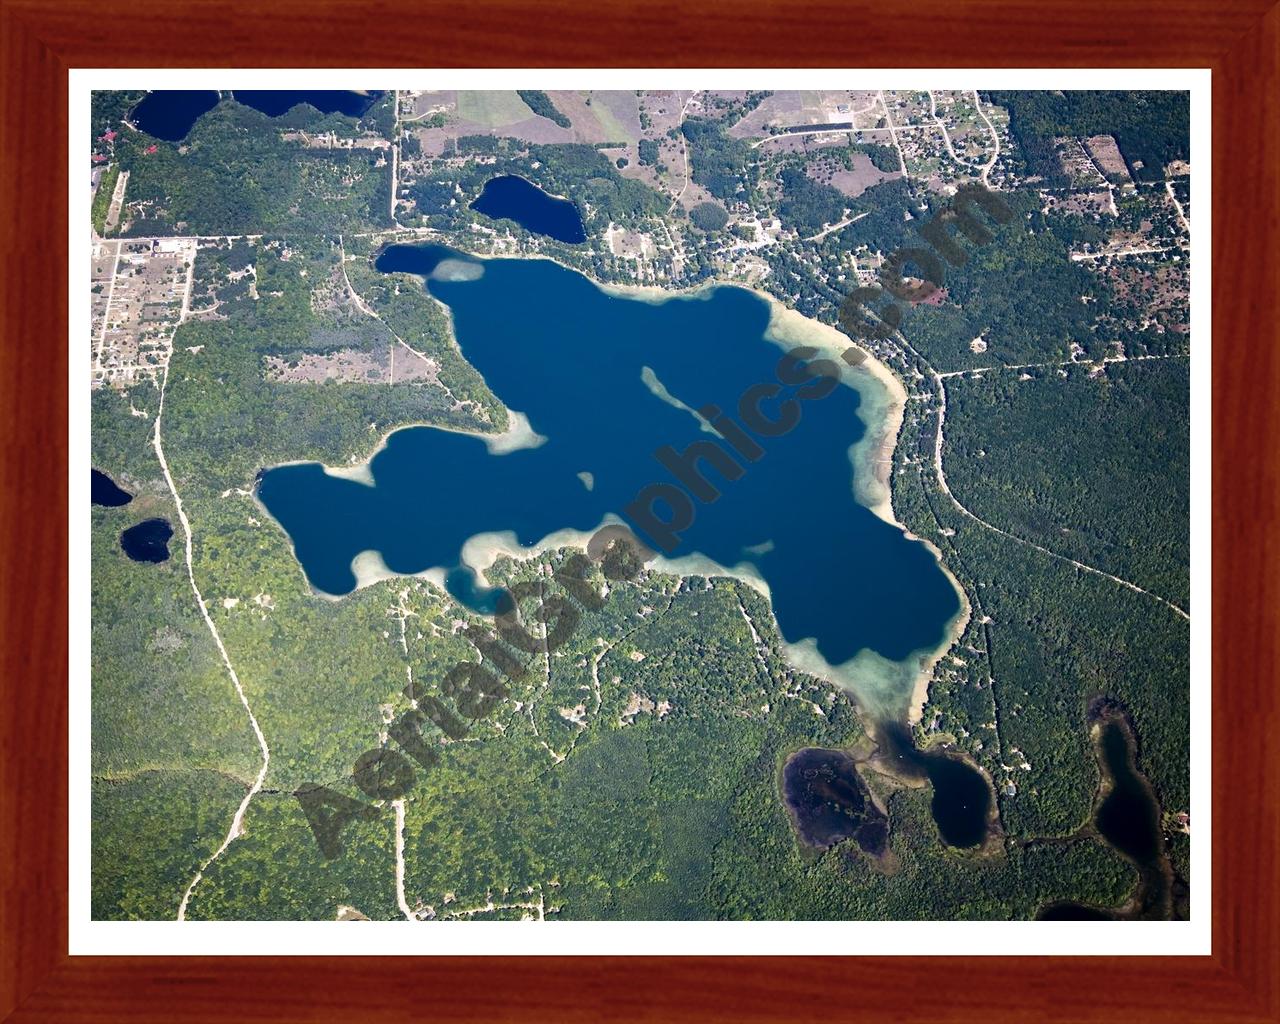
(608, 380)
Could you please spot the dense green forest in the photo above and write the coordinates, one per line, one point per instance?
(234, 174)
(708, 217)
(151, 833)
(1151, 128)
(1090, 465)
(721, 164)
(808, 205)
(884, 158)
(893, 215)
(173, 753)
(987, 298)
(1047, 639)
(277, 872)
(540, 103)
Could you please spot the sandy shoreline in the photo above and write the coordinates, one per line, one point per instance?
(519, 434)
(482, 550)
(873, 454)
(878, 683)
(955, 629)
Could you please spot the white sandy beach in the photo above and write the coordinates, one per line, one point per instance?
(519, 434)
(883, 402)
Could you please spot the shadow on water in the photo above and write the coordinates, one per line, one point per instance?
(274, 102)
(169, 114)
(961, 804)
(1128, 814)
(106, 492)
(148, 541)
(828, 802)
(511, 197)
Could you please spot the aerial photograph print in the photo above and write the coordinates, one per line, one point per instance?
(638, 505)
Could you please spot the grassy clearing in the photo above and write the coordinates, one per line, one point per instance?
(492, 108)
(614, 129)
(102, 198)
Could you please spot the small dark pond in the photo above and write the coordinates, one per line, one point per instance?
(105, 491)
(274, 102)
(1128, 817)
(511, 197)
(169, 113)
(961, 797)
(148, 541)
(829, 802)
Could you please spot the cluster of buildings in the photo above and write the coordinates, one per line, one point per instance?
(140, 291)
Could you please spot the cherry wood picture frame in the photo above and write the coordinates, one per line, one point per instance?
(41, 39)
